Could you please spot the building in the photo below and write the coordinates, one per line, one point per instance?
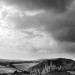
(52, 65)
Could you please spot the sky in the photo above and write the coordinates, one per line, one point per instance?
(37, 29)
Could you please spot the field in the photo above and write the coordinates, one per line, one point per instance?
(7, 70)
(24, 66)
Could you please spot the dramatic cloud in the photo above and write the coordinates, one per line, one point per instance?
(61, 25)
(37, 28)
(41, 4)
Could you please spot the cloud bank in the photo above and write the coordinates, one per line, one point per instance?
(39, 27)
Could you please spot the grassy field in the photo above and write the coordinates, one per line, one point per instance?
(24, 66)
(7, 70)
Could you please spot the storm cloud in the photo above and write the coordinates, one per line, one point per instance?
(55, 19)
(61, 24)
(59, 5)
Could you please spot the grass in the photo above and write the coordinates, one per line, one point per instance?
(24, 66)
(7, 70)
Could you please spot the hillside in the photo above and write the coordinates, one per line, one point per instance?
(58, 64)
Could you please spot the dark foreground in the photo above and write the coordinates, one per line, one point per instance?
(51, 73)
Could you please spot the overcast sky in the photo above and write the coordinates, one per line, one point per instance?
(36, 29)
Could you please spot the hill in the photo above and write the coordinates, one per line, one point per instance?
(54, 65)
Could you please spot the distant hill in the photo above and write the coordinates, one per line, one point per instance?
(5, 62)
